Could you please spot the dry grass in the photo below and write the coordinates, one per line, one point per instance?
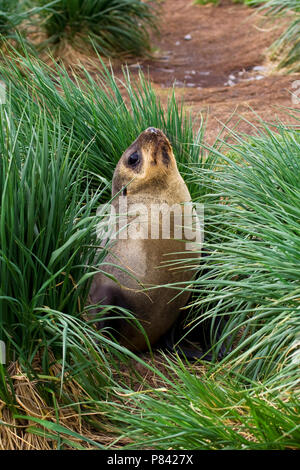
(18, 434)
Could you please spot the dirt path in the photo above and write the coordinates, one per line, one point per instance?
(217, 58)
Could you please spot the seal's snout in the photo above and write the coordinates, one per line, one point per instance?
(153, 135)
(153, 130)
(158, 146)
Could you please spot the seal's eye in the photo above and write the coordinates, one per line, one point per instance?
(134, 159)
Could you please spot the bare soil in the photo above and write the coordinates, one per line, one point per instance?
(217, 58)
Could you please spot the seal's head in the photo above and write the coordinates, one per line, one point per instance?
(146, 165)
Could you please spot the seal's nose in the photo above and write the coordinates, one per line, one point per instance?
(153, 136)
(152, 130)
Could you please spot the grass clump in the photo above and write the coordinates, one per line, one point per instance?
(249, 283)
(48, 243)
(218, 2)
(209, 412)
(16, 18)
(105, 114)
(286, 49)
(12, 13)
(115, 27)
(60, 140)
(206, 2)
(9, 15)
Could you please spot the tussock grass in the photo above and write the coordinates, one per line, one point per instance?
(59, 142)
(41, 421)
(203, 411)
(115, 27)
(286, 49)
(105, 114)
(48, 247)
(60, 138)
(195, 408)
(250, 276)
(10, 16)
(218, 2)
(13, 15)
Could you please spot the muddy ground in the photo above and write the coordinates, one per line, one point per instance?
(217, 56)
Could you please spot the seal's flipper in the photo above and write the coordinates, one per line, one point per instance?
(196, 344)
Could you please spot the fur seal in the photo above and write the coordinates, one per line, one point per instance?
(146, 174)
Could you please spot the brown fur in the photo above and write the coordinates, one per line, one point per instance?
(154, 179)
